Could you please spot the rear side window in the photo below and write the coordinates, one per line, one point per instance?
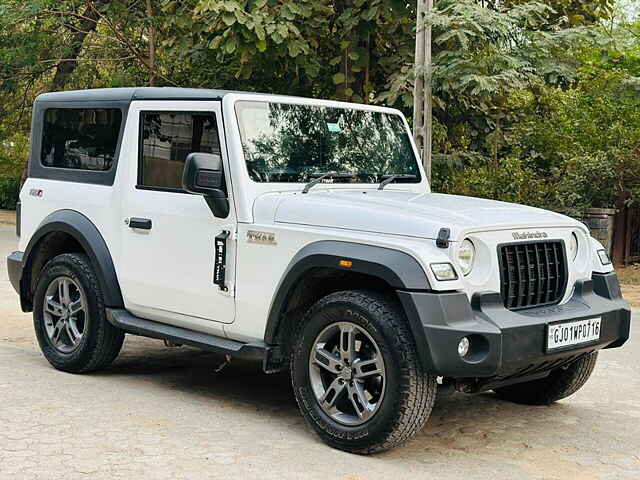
(80, 139)
(166, 140)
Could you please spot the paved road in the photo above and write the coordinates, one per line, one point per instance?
(163, 413)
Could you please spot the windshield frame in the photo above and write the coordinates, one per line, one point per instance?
(243, 191)
(258, 98)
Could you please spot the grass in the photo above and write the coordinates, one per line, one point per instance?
(629, 275)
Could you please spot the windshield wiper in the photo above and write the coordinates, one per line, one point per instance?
(392, 178)
(321, 176)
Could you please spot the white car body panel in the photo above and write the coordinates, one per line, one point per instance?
(168, 270)
(406, 214)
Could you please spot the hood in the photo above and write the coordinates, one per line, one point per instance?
(409, 214)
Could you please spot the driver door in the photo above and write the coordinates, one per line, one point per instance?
(168, 235)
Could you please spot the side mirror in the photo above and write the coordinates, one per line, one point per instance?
(203, 175)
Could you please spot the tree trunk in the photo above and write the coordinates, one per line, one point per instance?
(422, 101)
(152, 46)
(366, 76)
(88, 23)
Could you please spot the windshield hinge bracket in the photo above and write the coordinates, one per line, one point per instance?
(443, 238)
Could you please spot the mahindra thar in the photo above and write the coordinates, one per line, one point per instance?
(301, 233)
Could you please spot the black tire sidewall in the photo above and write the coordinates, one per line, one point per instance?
(382, 423)
(76, 359)
(559, 384)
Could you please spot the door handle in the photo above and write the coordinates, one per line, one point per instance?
(141, 223)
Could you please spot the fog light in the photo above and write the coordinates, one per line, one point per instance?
(463, 347)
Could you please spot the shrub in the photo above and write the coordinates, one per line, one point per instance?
(594, 180)
(9, 190)
(507, 179)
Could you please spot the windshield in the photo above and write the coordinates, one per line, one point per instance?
(292, 143)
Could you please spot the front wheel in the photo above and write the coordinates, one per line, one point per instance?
(356, 374)
(559, 384)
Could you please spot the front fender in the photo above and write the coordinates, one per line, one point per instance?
(398, 269)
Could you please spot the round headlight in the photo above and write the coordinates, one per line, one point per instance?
(466, 256)
(573, 247)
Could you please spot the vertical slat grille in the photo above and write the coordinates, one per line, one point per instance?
(532, 274)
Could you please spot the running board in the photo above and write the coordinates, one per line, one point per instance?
(148, 328)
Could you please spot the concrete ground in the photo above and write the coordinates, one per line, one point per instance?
(162, 413)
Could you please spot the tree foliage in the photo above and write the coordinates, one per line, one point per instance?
(515, 82)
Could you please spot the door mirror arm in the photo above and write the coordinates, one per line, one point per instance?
(219, 206)
(204, 175)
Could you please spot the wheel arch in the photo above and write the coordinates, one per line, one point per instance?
(65, 231)
(316, 271)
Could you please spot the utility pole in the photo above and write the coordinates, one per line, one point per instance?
(422, 102)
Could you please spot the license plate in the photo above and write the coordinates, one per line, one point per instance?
(567, 334)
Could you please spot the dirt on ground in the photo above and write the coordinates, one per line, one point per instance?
(7, 217)
(631, 293)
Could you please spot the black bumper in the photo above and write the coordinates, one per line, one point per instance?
(507, 344)
(14, 268)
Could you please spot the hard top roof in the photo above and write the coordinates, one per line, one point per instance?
(130, 94)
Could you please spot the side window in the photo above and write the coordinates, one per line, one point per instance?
(81, 139)
(166, 140)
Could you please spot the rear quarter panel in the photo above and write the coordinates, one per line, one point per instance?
(41, 197)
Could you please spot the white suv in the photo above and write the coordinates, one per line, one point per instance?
(301, 233)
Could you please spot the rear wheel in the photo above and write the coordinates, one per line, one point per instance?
(356, 374)
(69, 317)
(560, 383)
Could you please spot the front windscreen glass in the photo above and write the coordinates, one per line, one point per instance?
(295, 143)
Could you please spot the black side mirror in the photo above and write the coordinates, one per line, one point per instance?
(203, 175)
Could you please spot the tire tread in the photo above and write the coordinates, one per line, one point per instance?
(560, 383)
(418, 391)
(109, 339)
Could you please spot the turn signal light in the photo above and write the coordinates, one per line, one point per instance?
(346, 263)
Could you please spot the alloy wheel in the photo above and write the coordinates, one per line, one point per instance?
(347, 373)
(65, 314)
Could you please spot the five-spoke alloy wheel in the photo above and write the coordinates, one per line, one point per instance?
(356, 374)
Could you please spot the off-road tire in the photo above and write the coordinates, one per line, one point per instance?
(102, 341)
(409, 392)
(560, 383)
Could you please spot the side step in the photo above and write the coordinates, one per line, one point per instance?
(148, 328)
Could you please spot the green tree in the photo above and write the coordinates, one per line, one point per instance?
(500, 66)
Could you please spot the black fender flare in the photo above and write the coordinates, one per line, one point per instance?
(398, 269)
(88, 236)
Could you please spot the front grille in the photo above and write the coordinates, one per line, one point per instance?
(532, 274)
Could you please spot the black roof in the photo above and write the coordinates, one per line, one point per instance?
(130, 94)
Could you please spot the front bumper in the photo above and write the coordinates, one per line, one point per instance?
(510, 344)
